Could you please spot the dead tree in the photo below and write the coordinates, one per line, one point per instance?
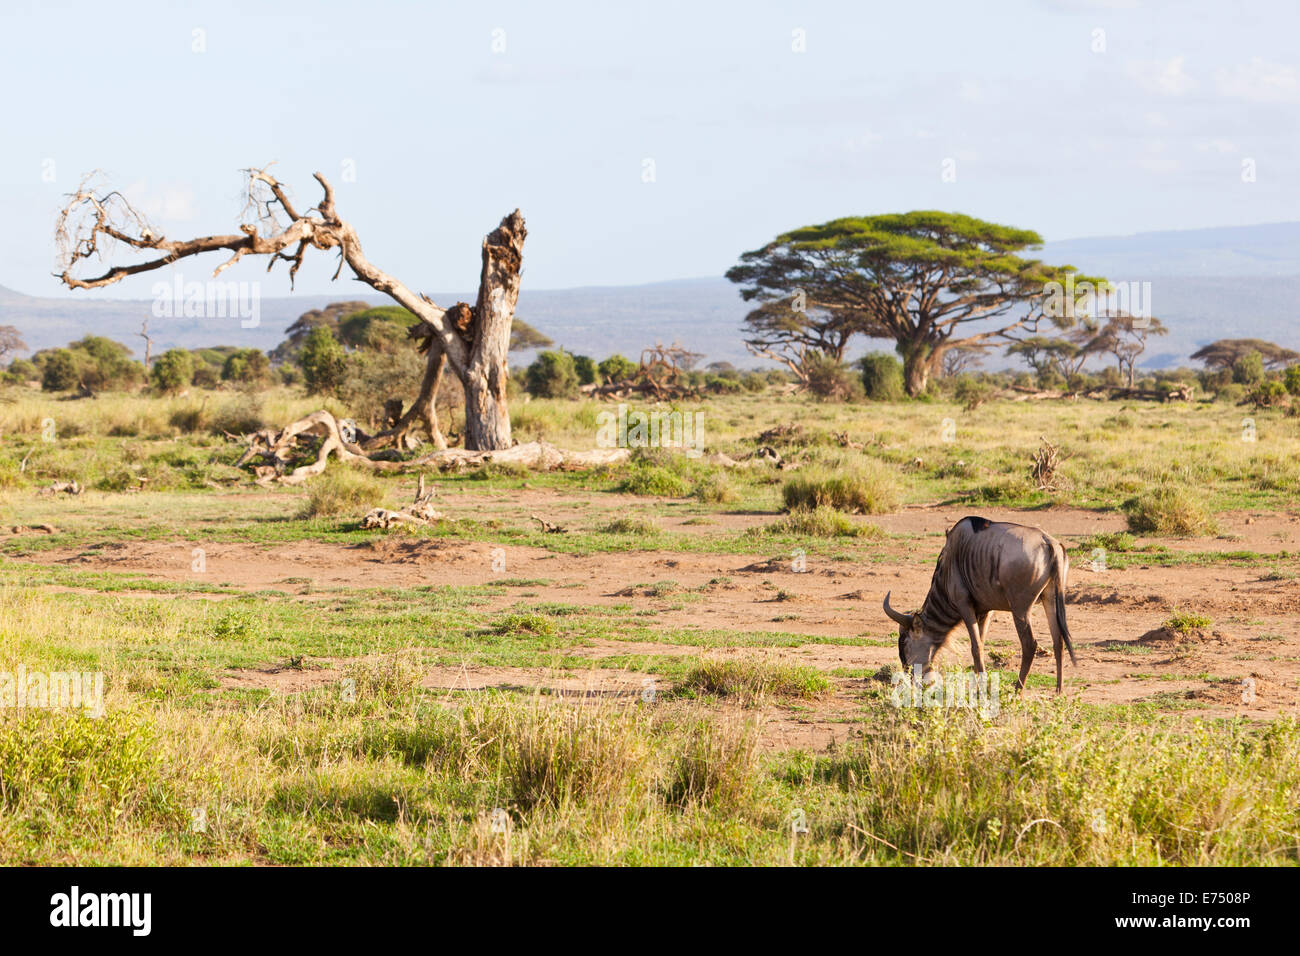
(148, 345)
(470, 339)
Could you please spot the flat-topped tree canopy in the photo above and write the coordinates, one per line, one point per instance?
(917, 278)
(472, 339)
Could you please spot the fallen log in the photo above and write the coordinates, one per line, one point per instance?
(280, 451)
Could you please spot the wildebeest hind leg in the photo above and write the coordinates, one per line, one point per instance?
(1027, 648)
(1058, 639)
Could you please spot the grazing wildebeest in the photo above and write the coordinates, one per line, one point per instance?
(988, 566)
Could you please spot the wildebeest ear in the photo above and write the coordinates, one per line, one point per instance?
(897, 616)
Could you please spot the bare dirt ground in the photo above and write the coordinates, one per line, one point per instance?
(1246, 663)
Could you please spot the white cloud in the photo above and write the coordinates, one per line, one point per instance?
(1167, 77)
(168, 202)
(1217, 146)
(1259, 81)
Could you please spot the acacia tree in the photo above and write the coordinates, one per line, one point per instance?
(1125, 337)
(919, 278)
(787, 331)
(1225, 352)
(472, 339)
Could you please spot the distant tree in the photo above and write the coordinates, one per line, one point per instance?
(59, 371)
(785, 333)
(1225, 352)
(961, 359)
(1248, 369)
(552, 375)
(524, 336)
(616, 368)
(323, 361)
(1041, 353)
(1125, 337)
(11, 340)
(382, 328)
(882, 377)
(917, 278)
(586, 370)
(830, 378)
(328, 317)
(1290, 378)
(247, 367)
(172, 371)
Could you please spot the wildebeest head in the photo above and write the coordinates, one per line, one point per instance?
(914, 648)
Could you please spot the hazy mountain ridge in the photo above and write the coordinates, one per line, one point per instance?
(1206, 284)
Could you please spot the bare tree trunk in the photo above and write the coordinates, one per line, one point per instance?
(487, 414)
(473, 342)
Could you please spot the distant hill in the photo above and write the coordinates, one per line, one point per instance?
(1206, 284)
(1270, 249)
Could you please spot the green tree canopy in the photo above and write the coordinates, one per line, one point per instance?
(917, 278)
(323, 361)
(172, 371)
(1225, 352)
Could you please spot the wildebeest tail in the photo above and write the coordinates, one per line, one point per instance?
(1059, 565)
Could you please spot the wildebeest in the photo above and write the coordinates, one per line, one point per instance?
(988, 566)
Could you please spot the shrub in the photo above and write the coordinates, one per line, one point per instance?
(1290, 379)
(59, 371)
(552, 375)
(971, 392)
(655, 480)
(586, 370)
(829, 378)
(247, 367)
(342, 491)
(323, 362)
(869, 489)
(820, 522)
(882, 377)
(616, 368)
(753, 680)
(1249, 369)
(715, 488)
(172, 371)
(1187, 621)
(1168, 510)
(631, 525)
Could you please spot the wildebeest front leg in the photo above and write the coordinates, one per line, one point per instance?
(1027, 648)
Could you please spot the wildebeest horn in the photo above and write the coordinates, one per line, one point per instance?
(896, 616)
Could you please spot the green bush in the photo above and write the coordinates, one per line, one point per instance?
(586, 370)
(552, 375)
(616, 368)
(655, 480)
(1169, 510)
(172, 371)
(868, 489)
(247, 367)
(323, 362)
(882, 377)
(342, 491)
(1249, 369)
(829, 378)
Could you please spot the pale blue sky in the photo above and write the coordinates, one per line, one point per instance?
(748, 137)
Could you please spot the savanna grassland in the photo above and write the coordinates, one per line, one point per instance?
(695, 670)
